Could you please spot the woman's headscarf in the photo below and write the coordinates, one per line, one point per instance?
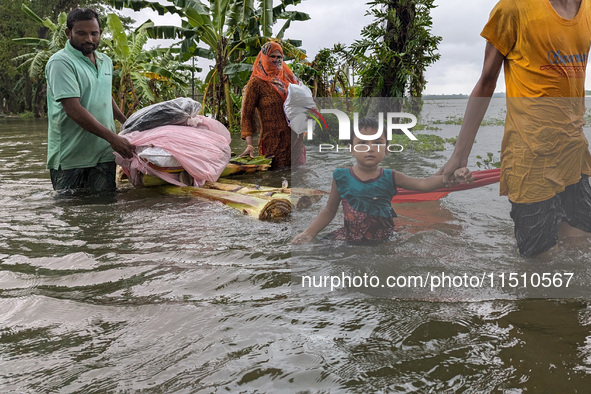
(274, 72)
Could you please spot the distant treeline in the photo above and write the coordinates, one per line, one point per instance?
(456, 96)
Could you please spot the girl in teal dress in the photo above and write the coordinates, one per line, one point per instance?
(366, 192)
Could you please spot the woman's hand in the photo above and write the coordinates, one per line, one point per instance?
(249, 151)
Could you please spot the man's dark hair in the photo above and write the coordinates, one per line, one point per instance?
(82, 14)
(368, 123)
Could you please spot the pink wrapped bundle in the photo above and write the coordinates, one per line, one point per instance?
(202, 150)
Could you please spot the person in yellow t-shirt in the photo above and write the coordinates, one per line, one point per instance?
(545, 160)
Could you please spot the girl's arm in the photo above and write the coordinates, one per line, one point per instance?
(419, 184)
(323, 219)
(461, 175)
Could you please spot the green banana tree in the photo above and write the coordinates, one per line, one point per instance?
(230, 32)
(136, 70)
(42, 48)
(141, 77)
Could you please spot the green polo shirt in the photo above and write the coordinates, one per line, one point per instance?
(71, 74)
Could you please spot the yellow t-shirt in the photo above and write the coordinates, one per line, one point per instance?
(544, 148)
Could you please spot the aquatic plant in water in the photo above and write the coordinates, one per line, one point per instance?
(424, 142)
(488, 162)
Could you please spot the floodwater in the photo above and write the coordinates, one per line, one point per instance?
(174, 294)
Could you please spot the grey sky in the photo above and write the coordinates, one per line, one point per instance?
(459, 22)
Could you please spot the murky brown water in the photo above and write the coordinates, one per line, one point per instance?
(175, 294)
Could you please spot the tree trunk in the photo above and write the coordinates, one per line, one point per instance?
(397, 39)
(28, 103)
(220, 94)
(40, 100)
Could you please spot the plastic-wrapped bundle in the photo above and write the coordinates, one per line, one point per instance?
(180, 111)
(299, 100)
(203, 151)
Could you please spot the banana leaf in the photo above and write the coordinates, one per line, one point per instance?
(246, 165)
(239, 169)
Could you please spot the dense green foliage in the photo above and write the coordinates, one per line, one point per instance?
(17, 89)
(141, 77)
(230, 32)
(329, 74)
(396, 49)
(388, 61)
(30, 32)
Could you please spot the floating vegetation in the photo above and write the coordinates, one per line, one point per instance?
(458, 120)
(424, 143)
(422, 127)
(432, 128)
(488, 162)
(452, 119)
(493, 122)
(587, 117)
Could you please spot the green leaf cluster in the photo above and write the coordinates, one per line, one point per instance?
(251, 160)
(17, 90)
(396, 49)
(488, 162)
(230, 32)
(424, 142)
(141, 77)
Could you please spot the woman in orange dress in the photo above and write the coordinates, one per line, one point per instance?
(266, 91)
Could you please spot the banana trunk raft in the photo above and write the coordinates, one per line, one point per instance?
(261, 202)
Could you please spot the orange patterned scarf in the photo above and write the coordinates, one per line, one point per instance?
(276, 73)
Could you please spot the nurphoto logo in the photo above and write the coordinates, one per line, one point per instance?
(315, 117)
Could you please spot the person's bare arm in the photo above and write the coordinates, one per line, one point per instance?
(248, 114)
(461, 175)
(88, 122)
(475, 110)
(323, 219)
(249, 151)
(117, 114)
(419, 184)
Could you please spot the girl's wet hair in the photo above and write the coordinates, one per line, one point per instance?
(365, 124)
(368, 123)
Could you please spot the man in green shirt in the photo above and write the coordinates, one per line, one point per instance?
(81, 111)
